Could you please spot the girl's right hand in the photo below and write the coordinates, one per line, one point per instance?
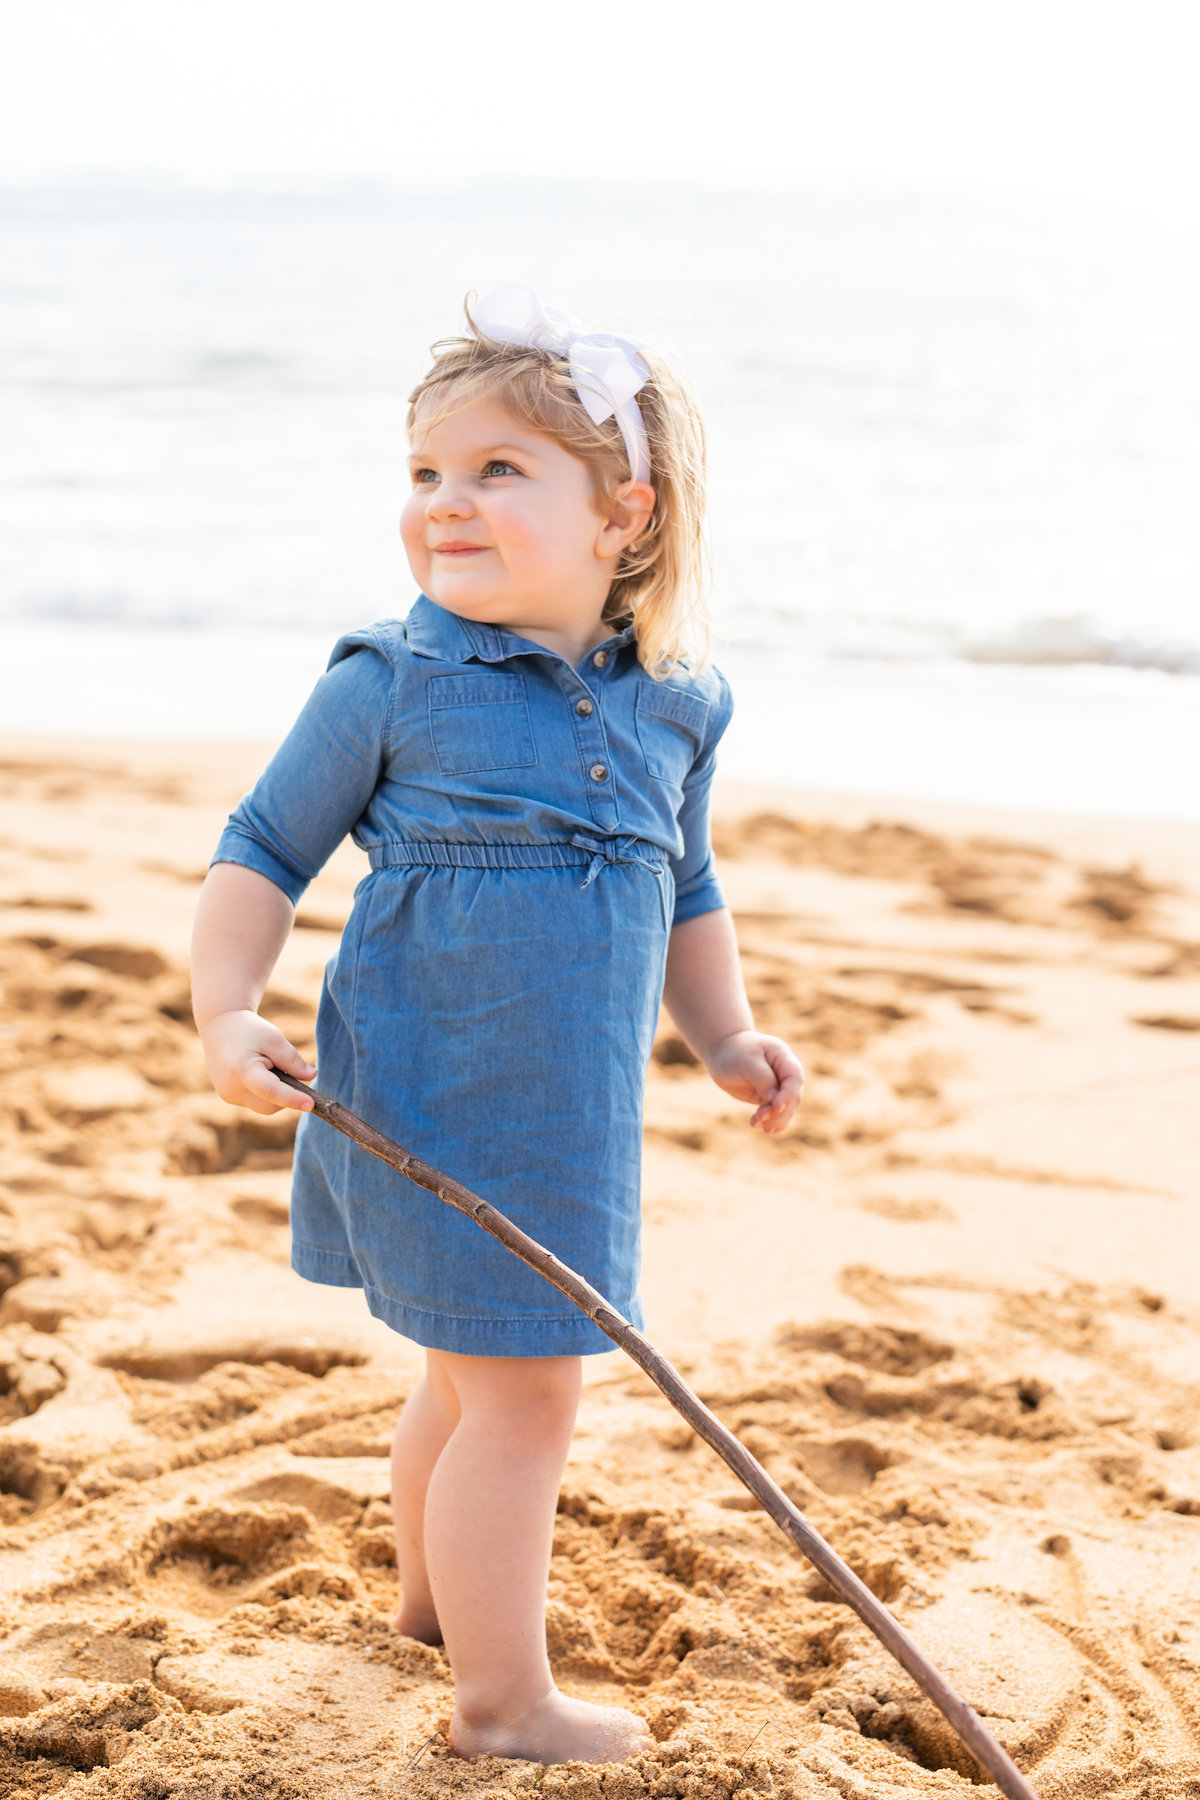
(239, 1049)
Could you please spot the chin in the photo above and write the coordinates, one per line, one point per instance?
(482, 609)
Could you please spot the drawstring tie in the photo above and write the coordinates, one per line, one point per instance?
(604, 854)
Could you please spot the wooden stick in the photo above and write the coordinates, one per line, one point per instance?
(842, 1579)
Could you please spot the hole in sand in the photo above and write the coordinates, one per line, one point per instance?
(1171, 1438)
(226, 1547)
(888, 1350)
(886, 1578)
(924, 1738)
(845, 1466)
(28, 1475)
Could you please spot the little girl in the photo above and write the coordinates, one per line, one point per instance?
(526, 759)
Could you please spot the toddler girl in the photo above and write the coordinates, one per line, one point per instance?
(526, 759)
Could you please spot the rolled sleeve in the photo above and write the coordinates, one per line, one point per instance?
(241, 843)
(697, 887)
(320, 781)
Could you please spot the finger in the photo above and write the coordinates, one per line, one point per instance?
(242, 1097)
(259, 1080)
(761, 1076)
(775, 1113)
(286, 1056)
(783, 1060)
(789, 1073)
(788, 1097)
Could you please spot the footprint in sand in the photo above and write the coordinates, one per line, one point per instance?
(210, 1558)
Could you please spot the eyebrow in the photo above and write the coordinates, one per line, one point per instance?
(492, 451)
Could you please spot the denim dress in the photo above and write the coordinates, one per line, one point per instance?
(533, 830)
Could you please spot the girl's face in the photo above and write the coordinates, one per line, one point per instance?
(502, 527)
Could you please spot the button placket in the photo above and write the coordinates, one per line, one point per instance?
(592, 741)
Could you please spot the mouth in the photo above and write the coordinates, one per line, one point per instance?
(455, 549)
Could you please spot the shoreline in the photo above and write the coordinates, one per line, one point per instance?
(1053, 739)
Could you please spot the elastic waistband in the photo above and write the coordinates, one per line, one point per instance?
(577, 852)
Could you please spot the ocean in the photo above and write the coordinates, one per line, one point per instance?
(954, 459)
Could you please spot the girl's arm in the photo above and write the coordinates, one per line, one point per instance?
(313, 790)
(242, 923)
(706, 997)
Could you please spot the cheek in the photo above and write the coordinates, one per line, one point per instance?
(533, 534)
(510, 526)
(412, 523)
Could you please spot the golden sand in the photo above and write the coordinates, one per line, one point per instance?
(956, 1313)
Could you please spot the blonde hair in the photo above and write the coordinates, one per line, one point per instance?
(661, 583)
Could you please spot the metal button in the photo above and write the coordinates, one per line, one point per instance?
(584, 708)
(600, 658)
(598, 772)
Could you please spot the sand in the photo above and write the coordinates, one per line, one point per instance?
(956, 1312)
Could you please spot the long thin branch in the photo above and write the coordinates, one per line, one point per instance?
(840, 1577)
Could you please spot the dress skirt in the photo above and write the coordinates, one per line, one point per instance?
(491, 1008)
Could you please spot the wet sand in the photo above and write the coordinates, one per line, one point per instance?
(955, 1312)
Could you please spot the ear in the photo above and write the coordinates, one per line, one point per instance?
(626, 517)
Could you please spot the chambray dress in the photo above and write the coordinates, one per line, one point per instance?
(533, 832)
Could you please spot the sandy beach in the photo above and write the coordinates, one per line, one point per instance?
(955, 1312)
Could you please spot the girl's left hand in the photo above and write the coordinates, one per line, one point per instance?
(751, 1066)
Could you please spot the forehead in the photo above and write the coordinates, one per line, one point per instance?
(456, 422)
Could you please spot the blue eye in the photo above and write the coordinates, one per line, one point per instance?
(421, 476)
(506, 468)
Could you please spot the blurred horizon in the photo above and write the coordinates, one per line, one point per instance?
(1039, 98)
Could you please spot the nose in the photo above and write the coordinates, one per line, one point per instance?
(449, 500)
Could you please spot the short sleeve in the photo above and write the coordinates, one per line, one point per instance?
(697, 889)
(319, 782)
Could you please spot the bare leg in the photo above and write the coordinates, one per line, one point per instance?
(429, 1416)
(489, 1526)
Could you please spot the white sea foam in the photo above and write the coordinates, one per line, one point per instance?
(1061, 642)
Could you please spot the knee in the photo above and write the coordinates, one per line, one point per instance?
(535, 1397)
(551, 1389)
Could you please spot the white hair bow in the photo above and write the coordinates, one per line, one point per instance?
(607, 370)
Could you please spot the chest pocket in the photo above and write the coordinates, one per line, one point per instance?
(480, 722)
(670, 728)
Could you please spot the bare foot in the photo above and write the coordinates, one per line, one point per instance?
(554, 1730)
(411, 1622)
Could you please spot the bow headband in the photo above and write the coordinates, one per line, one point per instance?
(607, 370)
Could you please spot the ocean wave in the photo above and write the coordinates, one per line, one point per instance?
(121, 611)
(1078, 639)
(1051, 642)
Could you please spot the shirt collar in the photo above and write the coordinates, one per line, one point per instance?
(432, 631)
